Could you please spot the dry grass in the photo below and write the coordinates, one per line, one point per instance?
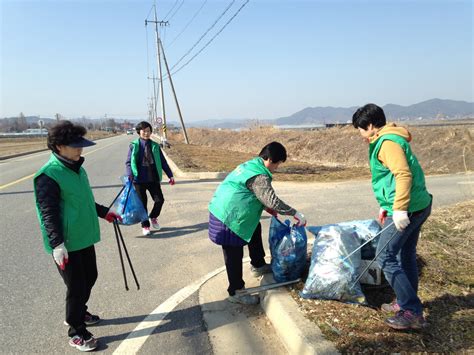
(446, 282)
(444, 149)
(202, 158)
(13, 146)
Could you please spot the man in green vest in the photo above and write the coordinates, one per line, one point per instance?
(67, 215)
(235, 211)
(405, 204)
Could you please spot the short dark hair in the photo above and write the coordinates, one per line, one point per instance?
(64, 133)
(368, 114)
(274, 151)
(143, 125)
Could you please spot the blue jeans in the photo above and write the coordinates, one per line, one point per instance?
(398, 259)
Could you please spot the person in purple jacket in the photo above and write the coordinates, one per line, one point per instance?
(145, 164)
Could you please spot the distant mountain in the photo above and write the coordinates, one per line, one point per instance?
(430, 109)
(434, 108)
(427, 110)
(318, 115)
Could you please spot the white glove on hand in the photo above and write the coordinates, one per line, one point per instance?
(401, 220)
(60, 256)
(300, 218)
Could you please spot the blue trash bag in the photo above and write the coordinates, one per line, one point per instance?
(129, 206)
(330, 276)
(288, 248)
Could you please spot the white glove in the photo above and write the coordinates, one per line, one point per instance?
(401, 220)
(60, 256)
(300, 218)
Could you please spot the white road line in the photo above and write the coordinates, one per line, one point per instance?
(135, 340)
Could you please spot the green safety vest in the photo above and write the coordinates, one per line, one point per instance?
(155, 150)
(234, 204)
(383, 181)
(77, 206)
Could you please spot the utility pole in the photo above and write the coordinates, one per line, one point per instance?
(160, 77)
(154, 102)
(159, 51)
(174, 95)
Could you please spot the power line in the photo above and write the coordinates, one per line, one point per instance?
(209, 42)
(187, 25)
(169, 11)
(205, 33)
(175, 11)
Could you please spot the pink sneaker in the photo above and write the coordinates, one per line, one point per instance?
(146, 231)
(155, 224)
(79, 343)
(404, 320)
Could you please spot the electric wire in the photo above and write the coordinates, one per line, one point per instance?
(209, 42)
(205, 33)
(187, 25)
(149, 12)
(175, 11)
(169, 11)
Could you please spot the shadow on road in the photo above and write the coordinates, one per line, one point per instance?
(188, 320)
(173, 232)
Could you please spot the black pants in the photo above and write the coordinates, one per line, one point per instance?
(79, 277)
(233, 260)
(156, 194)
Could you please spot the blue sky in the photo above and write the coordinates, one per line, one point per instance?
(91, 57)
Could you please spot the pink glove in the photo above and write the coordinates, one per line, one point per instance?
(382, 216)
(271, 211)
(172, 182)
(111, 216)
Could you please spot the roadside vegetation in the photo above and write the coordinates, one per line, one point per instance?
(440, 149)
(446, 290)
(13, 146)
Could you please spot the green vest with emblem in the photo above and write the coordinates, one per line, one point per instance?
(77, 206)
(155, 150)
(234, 204)
(383, 181)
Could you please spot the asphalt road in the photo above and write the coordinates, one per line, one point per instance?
(32, 292)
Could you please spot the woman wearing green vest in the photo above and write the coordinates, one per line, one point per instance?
(67, 215)
(405, 204)
(235, 211)
(145, 164)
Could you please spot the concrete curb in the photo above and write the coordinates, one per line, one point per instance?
(299, 335)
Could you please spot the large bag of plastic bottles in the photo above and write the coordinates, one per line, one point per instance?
(332, 275)
(288, 245)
